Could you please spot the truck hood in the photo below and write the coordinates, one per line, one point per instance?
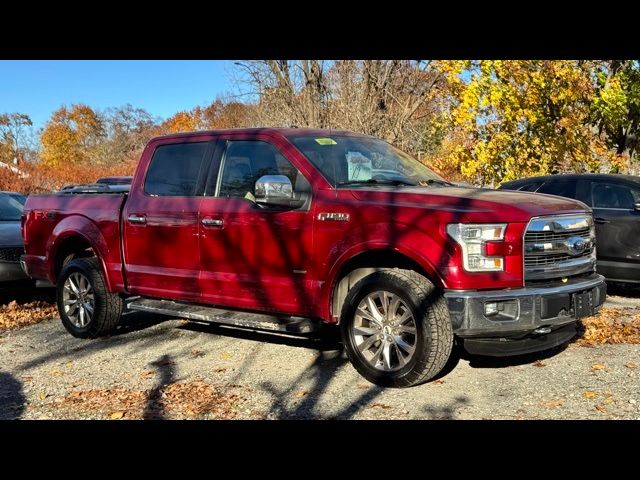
(491, 205)
(10, 234)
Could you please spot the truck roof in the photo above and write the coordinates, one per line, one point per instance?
(286, 132)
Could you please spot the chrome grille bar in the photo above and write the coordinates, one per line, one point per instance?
(559, 246)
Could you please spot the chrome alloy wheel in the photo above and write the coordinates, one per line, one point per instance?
(385, 331)
(78, 299)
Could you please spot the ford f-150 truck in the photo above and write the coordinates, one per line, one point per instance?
(287, 229)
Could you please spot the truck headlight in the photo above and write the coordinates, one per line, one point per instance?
(472, 238)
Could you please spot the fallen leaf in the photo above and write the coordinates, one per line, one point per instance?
(56, 373)
(608, 398)
(590, 394)
(117, 415)
(220, 370)
(631, 365)
(362, 386)
(539, 363)
(598, 366)
(553, 403)
(302, 393)
(438, 382)
(381, 405)
(27, 378)
(601, 408)
(42, 395)
(611, 325)
(226, 355)
(197, 353)
(146, 374)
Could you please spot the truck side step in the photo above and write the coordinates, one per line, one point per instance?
(260, 321)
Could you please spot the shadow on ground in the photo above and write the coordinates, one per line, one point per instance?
(12, 400)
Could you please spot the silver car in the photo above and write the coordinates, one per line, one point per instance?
(11, 245)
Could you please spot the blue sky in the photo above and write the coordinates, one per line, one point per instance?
(162, 87)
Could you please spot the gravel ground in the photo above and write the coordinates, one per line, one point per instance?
(46, 373)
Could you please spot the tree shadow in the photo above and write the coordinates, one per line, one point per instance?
(446, 412)
(12, 399)
(321, 372)
(154, 409)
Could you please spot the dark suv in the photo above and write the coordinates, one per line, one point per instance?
(615, 200)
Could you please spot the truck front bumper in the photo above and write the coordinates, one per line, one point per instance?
(525, 320)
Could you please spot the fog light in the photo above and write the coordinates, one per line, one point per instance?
(491, 309)
(502, 310)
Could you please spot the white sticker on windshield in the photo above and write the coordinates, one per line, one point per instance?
(360, 167)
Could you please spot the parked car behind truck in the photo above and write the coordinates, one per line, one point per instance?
(286, 229)
(615, 200)
(11, 246)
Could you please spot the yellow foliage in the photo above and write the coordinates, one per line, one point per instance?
(71, 135)
(525, 118)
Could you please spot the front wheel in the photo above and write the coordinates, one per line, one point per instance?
(396, 328)
(86, 307)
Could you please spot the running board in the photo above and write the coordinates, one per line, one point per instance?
(280, 323)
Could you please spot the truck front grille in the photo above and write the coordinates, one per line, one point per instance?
(559, 246)
(11, 254)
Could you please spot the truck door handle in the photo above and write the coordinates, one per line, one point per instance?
(140, 219)
(212, 222)
(601, 220)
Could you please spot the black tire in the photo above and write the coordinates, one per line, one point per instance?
(107, 308)
(434, 333)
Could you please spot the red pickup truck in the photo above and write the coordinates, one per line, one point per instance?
(287, 229)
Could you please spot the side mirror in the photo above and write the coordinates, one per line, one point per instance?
(275, 190)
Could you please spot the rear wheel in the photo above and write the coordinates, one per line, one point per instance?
(86, 308)
(396, 328)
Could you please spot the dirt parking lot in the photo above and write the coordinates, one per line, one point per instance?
(158, 367)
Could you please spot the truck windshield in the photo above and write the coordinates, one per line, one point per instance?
(10, 208)
(355, 160)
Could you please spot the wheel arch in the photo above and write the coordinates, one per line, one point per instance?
(70, 245)
(366, 262)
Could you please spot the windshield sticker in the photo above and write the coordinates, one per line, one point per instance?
(360, 167)
(326, 141)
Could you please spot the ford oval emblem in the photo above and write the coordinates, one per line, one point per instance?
(576, 246)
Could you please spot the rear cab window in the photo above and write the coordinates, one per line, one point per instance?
(175, 169)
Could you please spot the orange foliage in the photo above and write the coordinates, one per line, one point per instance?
(45, 178)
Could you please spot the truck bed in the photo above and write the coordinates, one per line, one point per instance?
(51, 220)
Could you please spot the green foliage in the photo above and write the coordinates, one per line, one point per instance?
(616, 105)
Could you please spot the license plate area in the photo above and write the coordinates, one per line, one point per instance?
(583, 304)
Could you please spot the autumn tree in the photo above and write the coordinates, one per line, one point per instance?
(72, 135)
(616, 109)
(217, 115)
(14, 141)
